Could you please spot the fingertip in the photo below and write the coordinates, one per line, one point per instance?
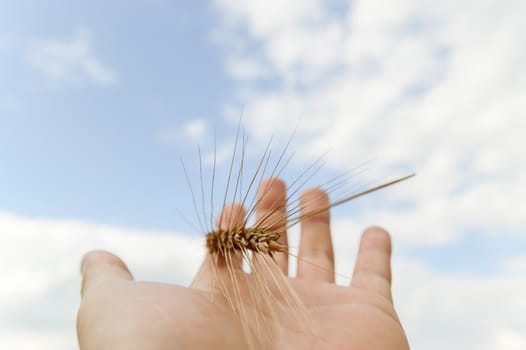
(232, 216)
(271, 203)
(274, 182)
(271, 193)
(314, 193)
(376, 238)
(99, 265)
(97, 257)
(312, 200)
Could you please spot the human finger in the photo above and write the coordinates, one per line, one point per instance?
(271, 214)
(99, 267)
(316, 254)
(232, 217)
(373, 264)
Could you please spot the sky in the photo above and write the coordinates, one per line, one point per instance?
(100, 101)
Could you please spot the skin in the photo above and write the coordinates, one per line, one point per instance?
(117, 312)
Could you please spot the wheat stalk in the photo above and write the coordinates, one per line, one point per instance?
(264, 297)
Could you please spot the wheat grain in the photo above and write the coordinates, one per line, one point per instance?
(258, 240)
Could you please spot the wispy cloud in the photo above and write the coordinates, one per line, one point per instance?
(245, 68)
(194, 130)
(70, 61)
(197, 132)
(418, 85)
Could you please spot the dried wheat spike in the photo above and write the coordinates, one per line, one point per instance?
(258, 240)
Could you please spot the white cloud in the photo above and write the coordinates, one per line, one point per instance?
(459, 312)
(42, 340)
(243, 68)
(509, 339)
(195, 128)
(70, 61)
(265, 17)
(292, 46)
(432, 87)
(39, 262)
(516, 266)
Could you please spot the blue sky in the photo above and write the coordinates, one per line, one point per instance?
(106, 148)
(93, 151)
(99, 101)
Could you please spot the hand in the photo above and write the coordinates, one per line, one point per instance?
(117, 312)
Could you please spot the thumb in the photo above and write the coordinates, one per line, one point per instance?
(99, 266)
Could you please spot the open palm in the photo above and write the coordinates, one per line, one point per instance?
(117, 312)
